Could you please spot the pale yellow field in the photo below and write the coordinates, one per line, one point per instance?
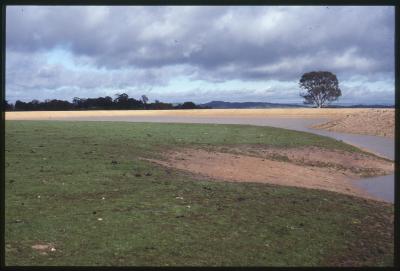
(368, 121)
(298, 112)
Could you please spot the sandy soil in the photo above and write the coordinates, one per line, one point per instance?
(353, 164)
(296, 171)
(44, 249)
(281, 112)
(378, 122)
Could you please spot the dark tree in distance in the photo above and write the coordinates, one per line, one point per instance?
(8, 106)
(320, 87)
(157, 105)
(188, 105)
(20, 105)
(77, 102)
(121, 98)
(145, 100)
(121, 102)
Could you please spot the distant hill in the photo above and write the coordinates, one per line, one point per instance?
(362, 106)
(238, 105)
(224, 105)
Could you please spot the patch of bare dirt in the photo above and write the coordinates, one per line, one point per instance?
(262, 168)
(353, 164)
(378, 122)
(257, 113)
(44, 249)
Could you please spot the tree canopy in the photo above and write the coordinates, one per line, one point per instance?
(319, 88)
(120, 102)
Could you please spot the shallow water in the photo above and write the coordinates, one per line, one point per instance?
(381, 187)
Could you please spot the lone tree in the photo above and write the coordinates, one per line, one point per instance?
(320, 87)
(145, 100)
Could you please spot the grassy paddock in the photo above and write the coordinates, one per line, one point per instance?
(61, 177)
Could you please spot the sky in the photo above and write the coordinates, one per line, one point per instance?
(198, 53)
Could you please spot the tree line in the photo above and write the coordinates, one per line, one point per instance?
(318, 88)
(121, 101)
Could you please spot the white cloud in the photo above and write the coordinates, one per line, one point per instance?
(148, 47)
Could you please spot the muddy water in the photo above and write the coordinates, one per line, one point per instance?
(380, 187)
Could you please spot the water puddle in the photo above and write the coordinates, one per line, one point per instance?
(381, 187)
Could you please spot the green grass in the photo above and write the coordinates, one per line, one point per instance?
(69, 165)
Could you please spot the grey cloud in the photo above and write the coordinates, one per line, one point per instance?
(30, 73)
(210, 43)
(206, 37)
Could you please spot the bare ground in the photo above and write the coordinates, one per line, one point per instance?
(274, 112)
(367, 121)
(354, 164)
(378, 122)
(43, 248)
(298, 167)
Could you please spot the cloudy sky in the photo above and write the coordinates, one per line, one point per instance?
(200, 54)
